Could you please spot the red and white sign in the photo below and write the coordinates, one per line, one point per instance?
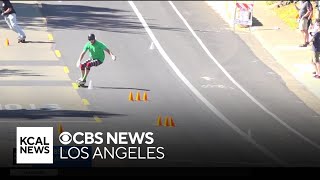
(245, 6)
(243, 13)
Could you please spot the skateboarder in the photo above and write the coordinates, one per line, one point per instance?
(97, 56)
(9, 15)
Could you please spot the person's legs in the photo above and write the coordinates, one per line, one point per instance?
(306, 37)
(303, 23)
(82, 73)
(13, 21)
(88, 67)
(86, 73)
(315, 73)
(83, 69)
(309, 23)
(8, 22)
(318, 69)
(316, 62)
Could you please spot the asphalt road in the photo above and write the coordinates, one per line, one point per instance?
(229, 109)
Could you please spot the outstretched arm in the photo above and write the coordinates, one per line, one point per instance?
(82, 55)
(110, 53)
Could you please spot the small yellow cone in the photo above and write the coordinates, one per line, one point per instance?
(130, 96)
(172, 124)
(159, 121)
(60, 128)
(166, 122)
(7, 42)
(138, 96)
(145, 97)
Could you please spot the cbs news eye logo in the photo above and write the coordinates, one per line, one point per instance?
(79, 138)
(65, 138)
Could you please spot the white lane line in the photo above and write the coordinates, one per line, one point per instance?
(197, 93)
(239, 86)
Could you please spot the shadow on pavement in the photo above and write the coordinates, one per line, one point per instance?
(12, 72)
(138, 89)
(75, 17)
(26, 16)
(256, 22)
(40, 42)
(47, 114)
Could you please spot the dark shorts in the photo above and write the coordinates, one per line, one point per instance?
(89, 63)
(315, 57)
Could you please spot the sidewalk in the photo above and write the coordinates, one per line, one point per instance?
(35, 88)
(283, 44)
(31, 73)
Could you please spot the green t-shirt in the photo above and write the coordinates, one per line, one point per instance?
(96, 50)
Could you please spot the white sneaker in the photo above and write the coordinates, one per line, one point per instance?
(79, 80)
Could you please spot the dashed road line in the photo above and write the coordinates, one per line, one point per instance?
(85, 102)
(75, 86)
(66, 69)
(58, 53)
(50, 37)
(97, 119)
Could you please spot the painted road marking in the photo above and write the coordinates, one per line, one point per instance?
(97, 119)
(66, 69)
(271, 73)
(239, 86)
(75, 86)
(85, 102)
(216, 86)
(195, 91)
(207, 78)
(50, 37)
(57, 52)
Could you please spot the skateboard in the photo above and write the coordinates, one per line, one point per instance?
(21, 41)
(80, 84)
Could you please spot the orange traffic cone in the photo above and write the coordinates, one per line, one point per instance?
(60, 129)
(166, 122)
(130, 96)
(145, 97)
(172, 124)
(7, 42)
(159, 121)
(138, 96)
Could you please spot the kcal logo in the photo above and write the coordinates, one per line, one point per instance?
(34, 145)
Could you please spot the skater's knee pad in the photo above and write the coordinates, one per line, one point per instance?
(88, 65)
(82, 66)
